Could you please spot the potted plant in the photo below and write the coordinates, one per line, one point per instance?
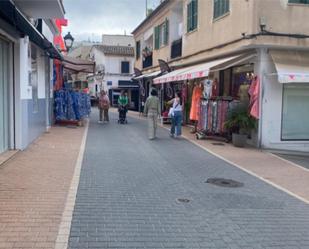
(240, 124)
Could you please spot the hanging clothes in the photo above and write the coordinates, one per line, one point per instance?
(195, 103)
(254, 92)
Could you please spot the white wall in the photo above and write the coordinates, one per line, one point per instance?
(121, 40)
(25, 88)
(272, 110)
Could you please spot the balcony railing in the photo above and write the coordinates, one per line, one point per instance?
(176, 49)
(147, 62)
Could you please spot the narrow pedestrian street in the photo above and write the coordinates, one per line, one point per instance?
(136, 193)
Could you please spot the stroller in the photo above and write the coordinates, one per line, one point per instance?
(122, 115)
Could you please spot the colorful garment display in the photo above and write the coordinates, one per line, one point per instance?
(70, 105)
(213, 114)
(195, 103)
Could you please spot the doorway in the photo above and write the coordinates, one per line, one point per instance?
(4, 95)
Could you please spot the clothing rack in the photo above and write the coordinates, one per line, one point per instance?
(213, 114)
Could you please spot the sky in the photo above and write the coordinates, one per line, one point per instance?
(89, 19)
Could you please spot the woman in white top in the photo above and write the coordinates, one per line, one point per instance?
(176, 115)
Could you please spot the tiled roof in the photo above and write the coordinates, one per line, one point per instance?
(116, 50)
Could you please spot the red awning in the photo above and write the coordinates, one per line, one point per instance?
(78, 65)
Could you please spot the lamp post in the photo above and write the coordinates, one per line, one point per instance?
(68, 40)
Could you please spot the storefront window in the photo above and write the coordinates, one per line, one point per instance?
(231, 79)
(295, 116)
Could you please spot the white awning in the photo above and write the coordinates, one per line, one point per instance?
(292, 66)
(149, 75)
(194, 72)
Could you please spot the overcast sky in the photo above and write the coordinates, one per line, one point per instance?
(89, 19)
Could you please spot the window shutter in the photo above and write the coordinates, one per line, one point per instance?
(157, 37)
(138, 49)
(194, 14)
(166, 32)
(189, 16)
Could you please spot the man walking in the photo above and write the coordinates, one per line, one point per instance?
(152, 111)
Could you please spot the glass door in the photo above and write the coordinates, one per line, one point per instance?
(4, 92)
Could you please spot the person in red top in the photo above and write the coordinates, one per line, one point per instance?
(104, 104)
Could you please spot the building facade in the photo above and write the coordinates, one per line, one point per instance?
(114, 68)
(27, 30)
(226, 40)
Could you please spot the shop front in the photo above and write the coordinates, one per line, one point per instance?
(145, 82)
(285, 104)
(210, 90)
(4, 94)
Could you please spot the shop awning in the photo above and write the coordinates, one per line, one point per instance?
(78, 65)
(292, 66)
(14, 17)
(197, 71)
(149, 75)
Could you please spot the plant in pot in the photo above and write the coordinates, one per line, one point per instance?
(240, 123)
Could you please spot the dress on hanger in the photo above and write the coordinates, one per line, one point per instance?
(195, 103)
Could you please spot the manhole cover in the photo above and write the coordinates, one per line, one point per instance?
(218, 144)
(183, 200)
(224, 182)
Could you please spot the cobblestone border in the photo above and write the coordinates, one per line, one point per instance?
(65, 225)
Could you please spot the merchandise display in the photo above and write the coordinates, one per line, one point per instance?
(71, 105)
(213, 115)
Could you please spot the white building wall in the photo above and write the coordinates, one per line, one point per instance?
(271, 109)
(25, 88)
(121, 40)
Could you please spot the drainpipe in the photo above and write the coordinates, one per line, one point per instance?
(262, 76)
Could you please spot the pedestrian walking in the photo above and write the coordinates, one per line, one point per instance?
(123, 103)
(104, 105)
(152, 111)
(176, 115)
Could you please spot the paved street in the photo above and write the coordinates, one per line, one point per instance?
(129, 186)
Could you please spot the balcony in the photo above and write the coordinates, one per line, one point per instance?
(147, 61)
(176, 48)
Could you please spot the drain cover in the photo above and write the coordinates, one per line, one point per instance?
(182, 200)
(218, 144)
(224, 182)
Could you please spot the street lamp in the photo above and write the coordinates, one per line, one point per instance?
(68, 40)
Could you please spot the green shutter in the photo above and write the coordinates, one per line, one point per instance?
(166, 32)
(138, 49)
(194, 14)
(189, 16)
(157, 38)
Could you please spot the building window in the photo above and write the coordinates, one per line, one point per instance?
(192, 16)
(299, 1)
(295, 118)
(221, 7)
(138, 49)
(161, 34)
(125, 67)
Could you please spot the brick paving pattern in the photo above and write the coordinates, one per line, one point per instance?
(33, 189)
(129, 186)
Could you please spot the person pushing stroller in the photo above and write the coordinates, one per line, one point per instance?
(123, 102)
